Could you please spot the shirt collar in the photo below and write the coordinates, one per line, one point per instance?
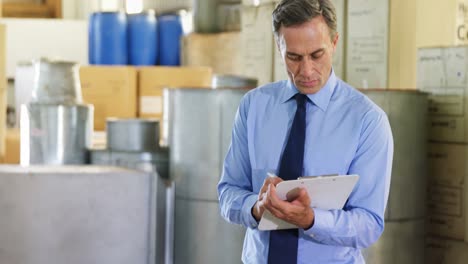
(320, 99)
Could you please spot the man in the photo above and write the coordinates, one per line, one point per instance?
(343, 132)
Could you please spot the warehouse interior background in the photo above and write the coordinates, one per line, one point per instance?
(115, 116)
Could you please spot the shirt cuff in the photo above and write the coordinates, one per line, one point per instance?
(323, 223)
(247, 211)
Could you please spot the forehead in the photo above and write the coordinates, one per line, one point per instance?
(313, 34)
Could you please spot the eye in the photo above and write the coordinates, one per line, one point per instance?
(318, 54)
(294, 57)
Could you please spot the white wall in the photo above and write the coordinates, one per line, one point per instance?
(28, 39)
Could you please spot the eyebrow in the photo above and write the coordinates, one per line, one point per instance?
(313, 53)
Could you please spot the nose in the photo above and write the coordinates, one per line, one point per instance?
(307, 67)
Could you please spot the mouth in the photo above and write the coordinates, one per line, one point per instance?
(310, 83)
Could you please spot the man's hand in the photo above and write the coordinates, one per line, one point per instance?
(258, 208)
(295, 210)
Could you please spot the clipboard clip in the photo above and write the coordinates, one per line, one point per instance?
(318, 176)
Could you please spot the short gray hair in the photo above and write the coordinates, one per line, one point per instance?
(295, 12)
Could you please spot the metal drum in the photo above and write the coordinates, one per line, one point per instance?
(402, 240)
(205, 16)
(147, 161)
(132, 134)
(55, 134)
(233, 81)
(407, 113)
(77, 214)
(56, 82)
(200, 124)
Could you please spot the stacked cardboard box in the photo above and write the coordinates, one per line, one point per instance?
(153, 80)
(441, 251)
(257, 40)
(129, 92)
(442, 73)
(112, 91)
(219, 51)
(367, 43)
(3, 90)
(12, 148)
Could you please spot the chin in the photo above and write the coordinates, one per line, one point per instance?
(308, 90)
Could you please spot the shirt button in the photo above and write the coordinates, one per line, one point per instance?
(312, 235)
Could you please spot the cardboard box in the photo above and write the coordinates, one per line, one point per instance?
(448, 193)
(219, 51)
(152, 81)
(450, 27)
(257, 42)
(112, 90)
(3, 90)
(12, 146)
(443, 251)
(442, 72)
(402, 43)
(367, 44)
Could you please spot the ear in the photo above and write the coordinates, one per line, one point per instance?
(335, 41)
(277, 41)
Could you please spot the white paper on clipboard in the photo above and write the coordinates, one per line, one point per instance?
(325, 192)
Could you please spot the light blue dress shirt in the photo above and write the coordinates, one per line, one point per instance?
(346, 134)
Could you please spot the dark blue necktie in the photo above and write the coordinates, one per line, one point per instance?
(283, 243)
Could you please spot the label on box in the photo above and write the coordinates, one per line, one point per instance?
(446, 226)
(447, 128)
(367, 43)
(151, 105)
(445, 200)
(447, 102)
(447, 164)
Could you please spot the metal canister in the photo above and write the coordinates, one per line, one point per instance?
(55, 134)
(56, 82)
(139, 135)
(233, 81)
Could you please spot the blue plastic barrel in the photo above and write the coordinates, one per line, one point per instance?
(108, 38)
(170, 32)
(142, 38)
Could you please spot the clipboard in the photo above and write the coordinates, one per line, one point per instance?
(325, 192)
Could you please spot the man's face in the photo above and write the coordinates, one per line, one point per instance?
(307, 51)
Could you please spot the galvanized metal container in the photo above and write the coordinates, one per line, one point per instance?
(233, 81)
(202, 236)
(78, 214)
(402, 242)
(55, 134)
(200, 124)
(56, 82)
(138, 135)
(403, 238)
(407, 113)
(147, 161)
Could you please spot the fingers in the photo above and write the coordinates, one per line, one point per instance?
(295, 210)
(269, 180)
(293, 194)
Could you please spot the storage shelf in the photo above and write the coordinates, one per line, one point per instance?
(49, 9)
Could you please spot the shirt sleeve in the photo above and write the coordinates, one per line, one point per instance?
(361, 222)
(236, 198)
